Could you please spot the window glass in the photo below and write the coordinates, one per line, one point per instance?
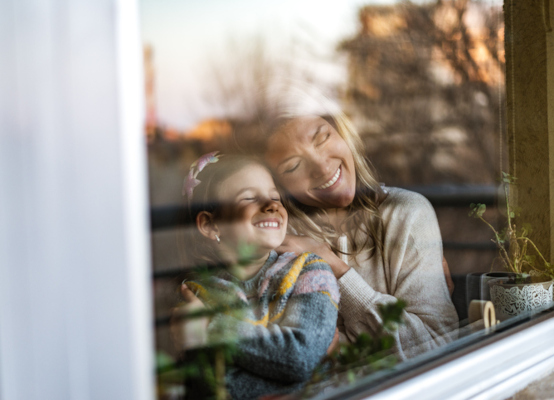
(374, 137)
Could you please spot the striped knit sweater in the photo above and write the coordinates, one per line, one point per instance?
(286, 328)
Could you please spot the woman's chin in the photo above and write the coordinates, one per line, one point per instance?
(341, 200)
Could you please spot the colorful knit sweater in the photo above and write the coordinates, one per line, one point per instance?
(287, 325)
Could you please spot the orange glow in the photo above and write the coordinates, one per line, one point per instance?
(210, 129)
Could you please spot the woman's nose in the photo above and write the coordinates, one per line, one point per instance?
(319, 166)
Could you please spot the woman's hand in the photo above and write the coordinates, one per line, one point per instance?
(188, 333)
(448, 277)
(334, 343)
(301, 244)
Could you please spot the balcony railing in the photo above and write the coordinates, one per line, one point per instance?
(440, 196)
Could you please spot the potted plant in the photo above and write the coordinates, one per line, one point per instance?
(529, 283)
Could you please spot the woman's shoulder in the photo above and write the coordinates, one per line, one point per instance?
(405, 201)
(404, 197)
(404, 208)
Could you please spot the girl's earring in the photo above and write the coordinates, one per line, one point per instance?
(218, 239)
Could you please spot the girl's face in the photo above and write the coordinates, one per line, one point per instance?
(252, 213)
(313, 163)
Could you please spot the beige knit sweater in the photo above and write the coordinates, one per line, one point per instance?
(409, 268)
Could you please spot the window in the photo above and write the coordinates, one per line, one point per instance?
(444, 103)
(424, 85)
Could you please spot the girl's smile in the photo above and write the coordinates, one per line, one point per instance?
(252, 212)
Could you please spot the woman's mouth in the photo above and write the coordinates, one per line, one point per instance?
(268, 224)
(331, 181)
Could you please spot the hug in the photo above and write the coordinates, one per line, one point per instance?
(313, 245)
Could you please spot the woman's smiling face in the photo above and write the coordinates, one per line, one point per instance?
(313, 163)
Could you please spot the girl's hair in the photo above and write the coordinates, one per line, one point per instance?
(299, 100)
(204, 198)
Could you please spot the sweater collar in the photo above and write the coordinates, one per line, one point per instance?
(251, 285)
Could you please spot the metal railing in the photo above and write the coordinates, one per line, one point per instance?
(440, 196)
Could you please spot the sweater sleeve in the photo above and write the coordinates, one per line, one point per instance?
(290, 348)
(412, 259)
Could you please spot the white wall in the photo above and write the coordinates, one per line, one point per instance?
(75, 312)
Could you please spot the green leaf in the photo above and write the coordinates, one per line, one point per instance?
(509, 179)
(392, 312)
(363, 340)
(477, 210)
(387, 342)
(163, 360)
(527, 227)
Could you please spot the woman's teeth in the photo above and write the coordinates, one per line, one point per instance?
(267, 225)
(332, 181)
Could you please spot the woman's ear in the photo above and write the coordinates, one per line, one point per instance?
(205, 223)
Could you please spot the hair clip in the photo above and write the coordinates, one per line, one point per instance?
(196, 167)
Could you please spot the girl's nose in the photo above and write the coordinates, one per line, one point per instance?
(270, 205)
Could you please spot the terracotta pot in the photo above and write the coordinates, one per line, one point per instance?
(514, 299)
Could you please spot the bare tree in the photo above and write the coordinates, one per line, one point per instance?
(417, 71)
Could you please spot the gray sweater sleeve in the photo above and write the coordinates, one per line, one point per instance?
(412, 268)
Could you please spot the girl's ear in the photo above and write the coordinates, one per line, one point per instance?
(206, 225)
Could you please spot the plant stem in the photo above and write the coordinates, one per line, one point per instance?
(508, 207)
(527, 240)
(220, 392)
(504, 253)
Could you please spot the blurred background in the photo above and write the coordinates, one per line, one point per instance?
(423, 83)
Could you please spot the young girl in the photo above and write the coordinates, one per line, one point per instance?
(291, 299)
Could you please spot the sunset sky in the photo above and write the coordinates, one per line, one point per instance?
(190, 36)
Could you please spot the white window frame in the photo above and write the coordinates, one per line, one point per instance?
(75, 274)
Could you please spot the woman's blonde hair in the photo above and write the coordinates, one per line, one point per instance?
(298, 100)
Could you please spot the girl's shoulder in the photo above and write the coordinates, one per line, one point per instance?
(291, 268)
(297, 263)
(303, 274)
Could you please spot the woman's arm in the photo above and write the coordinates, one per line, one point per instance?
(412, 271)
(298, 244)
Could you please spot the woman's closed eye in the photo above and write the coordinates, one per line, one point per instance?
(324, 138)
(292, 169)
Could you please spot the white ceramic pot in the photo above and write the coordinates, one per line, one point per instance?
(486, 278)
(514, 299)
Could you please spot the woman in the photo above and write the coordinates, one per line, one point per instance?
(388, 239)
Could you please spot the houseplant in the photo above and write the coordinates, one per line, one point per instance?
(529, 284)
